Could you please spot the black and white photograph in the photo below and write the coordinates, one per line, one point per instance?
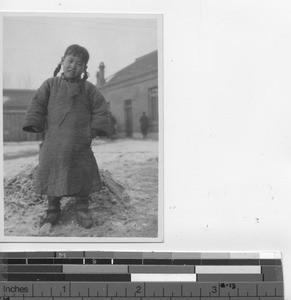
(82, 127)
(166, 130)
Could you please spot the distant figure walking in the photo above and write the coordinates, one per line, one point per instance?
(144, 125)
(112, 129)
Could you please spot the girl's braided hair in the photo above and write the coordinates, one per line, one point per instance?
(79, 51)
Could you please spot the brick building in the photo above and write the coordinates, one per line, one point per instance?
(129, 92)
(132, 91)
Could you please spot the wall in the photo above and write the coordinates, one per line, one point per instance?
(12, 128)
(137, 91)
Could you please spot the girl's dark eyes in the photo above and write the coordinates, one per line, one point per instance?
(71, 61)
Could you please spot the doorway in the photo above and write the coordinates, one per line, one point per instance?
(128, 117)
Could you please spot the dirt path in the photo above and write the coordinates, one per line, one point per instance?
(132, 163)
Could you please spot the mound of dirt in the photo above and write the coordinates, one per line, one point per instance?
(24, 208)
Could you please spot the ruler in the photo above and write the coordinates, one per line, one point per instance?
(140, 275)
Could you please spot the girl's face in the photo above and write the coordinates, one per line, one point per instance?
(73, 66)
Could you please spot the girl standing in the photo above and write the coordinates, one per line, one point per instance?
(72, 112)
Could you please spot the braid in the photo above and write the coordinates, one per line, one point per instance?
(86, 75)
(57, 69)
(84, 78)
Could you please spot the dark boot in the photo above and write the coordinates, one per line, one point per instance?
(84, 216)
(53, 212)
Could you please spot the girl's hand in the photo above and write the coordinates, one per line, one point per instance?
(97, 132)
(94, 133)
(33, 129)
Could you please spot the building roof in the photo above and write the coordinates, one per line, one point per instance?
(142, 65)
(15, 99)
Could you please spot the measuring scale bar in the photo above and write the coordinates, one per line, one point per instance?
(122, 269)
(140, 275)
(142, 289)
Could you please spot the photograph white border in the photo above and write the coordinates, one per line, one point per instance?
(62, 239)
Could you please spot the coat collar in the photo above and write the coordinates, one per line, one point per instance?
(73, 80)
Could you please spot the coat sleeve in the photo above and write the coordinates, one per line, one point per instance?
(35, 117)
(100, 115)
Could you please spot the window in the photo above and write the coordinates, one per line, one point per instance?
(153, 104)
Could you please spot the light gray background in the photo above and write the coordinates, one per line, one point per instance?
(116, 41)
(227, 137)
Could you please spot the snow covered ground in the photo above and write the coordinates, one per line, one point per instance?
(18, 155)
(132, 163)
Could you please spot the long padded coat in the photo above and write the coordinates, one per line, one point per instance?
(67, 112)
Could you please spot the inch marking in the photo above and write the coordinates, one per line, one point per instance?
(170, 290)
